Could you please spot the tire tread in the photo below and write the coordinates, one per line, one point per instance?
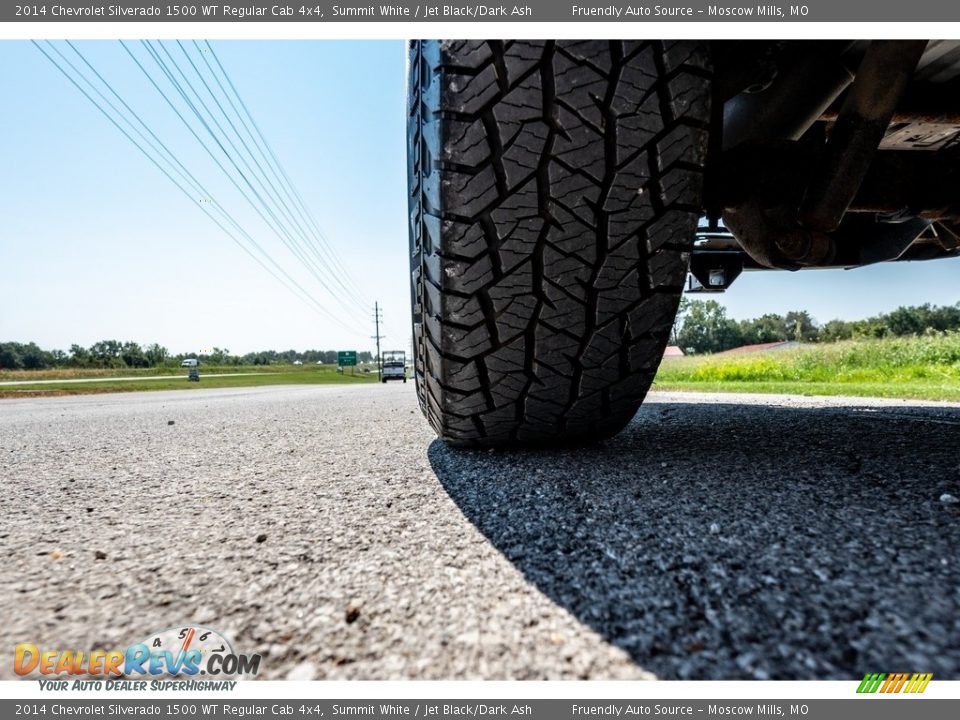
(554, 194)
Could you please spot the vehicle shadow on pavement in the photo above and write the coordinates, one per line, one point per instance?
(731, 541)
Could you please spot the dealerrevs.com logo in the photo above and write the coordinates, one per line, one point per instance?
(887, 683)
(185, 651)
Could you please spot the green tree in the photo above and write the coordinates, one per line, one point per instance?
(869, 328)
(800, 326)
(79, 356)
(156, 355)
(34, 358)
(908, 320)
(764, 329)
(10, 358)
(836, 330)
(133, 356)
(678, 320)
(946, 318)
(707, 329)
(106, 353)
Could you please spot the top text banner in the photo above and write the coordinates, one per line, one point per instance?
(531, 11)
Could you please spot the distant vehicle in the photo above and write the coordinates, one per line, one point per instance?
(393, 365)
(298, 362)
(190, 362)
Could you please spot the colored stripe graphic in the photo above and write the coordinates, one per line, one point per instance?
(898, 683)
(923, 679)
(870, 682)
(894, 683)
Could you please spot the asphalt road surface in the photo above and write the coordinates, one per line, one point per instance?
(719, 536)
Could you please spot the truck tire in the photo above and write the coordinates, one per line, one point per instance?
(555, 189)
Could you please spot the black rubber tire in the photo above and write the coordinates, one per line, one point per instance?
(554, 194)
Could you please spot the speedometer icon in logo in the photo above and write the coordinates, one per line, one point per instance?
(195, 650)
(190, 637)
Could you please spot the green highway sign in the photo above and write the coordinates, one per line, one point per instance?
(346, 358)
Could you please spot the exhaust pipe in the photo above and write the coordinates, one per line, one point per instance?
(877, 89)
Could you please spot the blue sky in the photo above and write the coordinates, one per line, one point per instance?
(97, 243)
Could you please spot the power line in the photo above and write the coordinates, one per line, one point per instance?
(276, 225)
(300, 203)
(313, 241)
(188, 177)
(276, 162)
(305, 295)
(169, 156)
(213, 157)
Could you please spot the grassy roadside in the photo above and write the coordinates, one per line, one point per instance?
(924, 368)
(908, 391)
(173, 379)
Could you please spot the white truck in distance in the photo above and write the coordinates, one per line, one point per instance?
(393, 365)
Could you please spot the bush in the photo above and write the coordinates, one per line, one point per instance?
(933, 356)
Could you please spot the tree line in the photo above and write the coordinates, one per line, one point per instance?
(702, 326)
(121, 355)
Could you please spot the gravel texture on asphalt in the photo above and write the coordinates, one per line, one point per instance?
(718, 536)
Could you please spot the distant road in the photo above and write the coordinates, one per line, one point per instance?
(55, 381)
(718, 536)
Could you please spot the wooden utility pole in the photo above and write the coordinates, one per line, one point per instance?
(376, 322)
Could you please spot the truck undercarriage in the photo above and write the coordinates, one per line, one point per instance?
(830, 154)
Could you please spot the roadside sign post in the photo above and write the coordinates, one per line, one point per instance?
(347, 358)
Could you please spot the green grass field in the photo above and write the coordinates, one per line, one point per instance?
(926, 368)
(172, 379)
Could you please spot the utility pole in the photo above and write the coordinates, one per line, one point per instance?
(376, 322)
